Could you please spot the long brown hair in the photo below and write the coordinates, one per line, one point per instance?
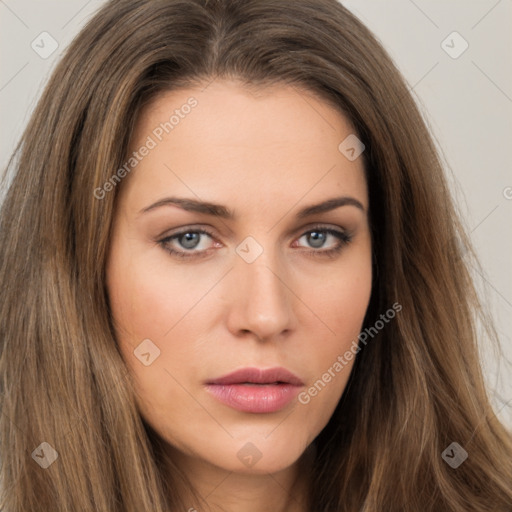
(414, 390)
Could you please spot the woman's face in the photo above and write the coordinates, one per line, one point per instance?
(241, 240)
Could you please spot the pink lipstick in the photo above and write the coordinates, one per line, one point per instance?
(255, 390)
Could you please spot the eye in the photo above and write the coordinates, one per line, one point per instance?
(197, 243)
(324, 241)
(189, 243)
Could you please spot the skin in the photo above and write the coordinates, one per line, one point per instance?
(264, 155)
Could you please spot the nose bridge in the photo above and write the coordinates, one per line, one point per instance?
(264, 282)
(262, 301)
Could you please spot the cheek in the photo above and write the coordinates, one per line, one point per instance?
(172, 308)
(149, 302)
(339, 307)
(148, 298)
(339, 295)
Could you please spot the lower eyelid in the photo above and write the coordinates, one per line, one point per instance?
(165, 243)
(342, 237)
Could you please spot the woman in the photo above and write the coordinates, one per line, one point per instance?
(232, 279)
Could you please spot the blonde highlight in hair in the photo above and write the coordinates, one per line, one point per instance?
(414, 389)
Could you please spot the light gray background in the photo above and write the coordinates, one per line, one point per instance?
(467, 101)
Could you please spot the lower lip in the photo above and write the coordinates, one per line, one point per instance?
(255, 398)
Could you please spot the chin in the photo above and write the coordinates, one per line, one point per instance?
(255, 455)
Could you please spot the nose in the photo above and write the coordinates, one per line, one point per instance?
(260, 300)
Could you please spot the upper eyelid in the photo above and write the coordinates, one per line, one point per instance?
(302, 232)
(186, 229)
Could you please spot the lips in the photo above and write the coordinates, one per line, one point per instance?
(256, 390)
(259, 376)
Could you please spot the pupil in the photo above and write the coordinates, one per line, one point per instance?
(316, 239)
(189, 240)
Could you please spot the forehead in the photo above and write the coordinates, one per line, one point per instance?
(243, 145)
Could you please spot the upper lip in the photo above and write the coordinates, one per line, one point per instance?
(259, 376)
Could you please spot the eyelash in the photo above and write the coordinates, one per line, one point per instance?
(344, 239)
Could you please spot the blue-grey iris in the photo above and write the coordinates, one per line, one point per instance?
(316, 239)
(189, 240)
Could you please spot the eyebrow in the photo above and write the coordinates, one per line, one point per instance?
(330, 204)
(217, 210)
